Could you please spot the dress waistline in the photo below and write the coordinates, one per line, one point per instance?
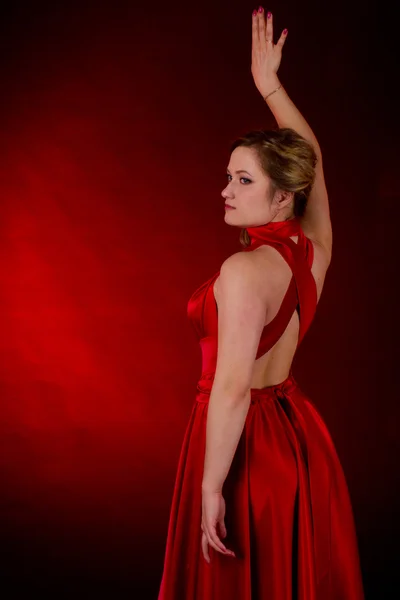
(279, 390)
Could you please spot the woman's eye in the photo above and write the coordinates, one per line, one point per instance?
(245, 178)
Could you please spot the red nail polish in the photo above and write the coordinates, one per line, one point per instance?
(260, 9)
(269, 15)
(285, 31)
(254, 12)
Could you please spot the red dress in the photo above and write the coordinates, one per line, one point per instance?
(288, 512)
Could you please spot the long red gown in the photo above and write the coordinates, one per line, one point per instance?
(288, 511)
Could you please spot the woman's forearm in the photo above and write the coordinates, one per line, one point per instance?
(315, 220)
(287, 114)
(225, 422)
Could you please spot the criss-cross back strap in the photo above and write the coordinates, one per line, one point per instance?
(301, 293)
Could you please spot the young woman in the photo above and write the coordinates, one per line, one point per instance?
(258, 468)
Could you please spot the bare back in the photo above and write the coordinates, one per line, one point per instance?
(274, 366)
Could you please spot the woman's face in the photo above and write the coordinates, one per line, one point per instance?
(249, 192)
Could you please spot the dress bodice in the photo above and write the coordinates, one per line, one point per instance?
(301, 294)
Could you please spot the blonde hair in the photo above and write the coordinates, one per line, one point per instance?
(289, 161)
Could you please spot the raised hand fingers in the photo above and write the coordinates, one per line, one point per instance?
(282, 39)
(263, 32)
(269, 31)
(255, 32)
(261, 27)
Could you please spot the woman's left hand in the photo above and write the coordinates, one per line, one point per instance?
(213, 513)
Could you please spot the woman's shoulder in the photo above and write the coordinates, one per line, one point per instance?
(262, 268)
(264, 256)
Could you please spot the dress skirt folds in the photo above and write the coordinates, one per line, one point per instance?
(288, 514)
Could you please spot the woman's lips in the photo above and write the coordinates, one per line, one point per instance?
(227, 206)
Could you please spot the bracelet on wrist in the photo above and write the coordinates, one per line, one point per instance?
(273, 91)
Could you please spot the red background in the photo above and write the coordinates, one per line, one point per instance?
(115, 128)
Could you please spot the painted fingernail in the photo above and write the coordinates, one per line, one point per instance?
(269, 15)
(285, 31)
(260, 9)
(254, 12)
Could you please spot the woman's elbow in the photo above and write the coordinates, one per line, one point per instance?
(234, 387)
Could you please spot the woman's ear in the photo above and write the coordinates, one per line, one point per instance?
(283, 198)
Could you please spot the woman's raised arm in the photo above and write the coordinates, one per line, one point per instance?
(266, 58)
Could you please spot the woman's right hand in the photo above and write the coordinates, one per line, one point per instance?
(265, 55)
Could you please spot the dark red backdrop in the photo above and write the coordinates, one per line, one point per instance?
(115, 127)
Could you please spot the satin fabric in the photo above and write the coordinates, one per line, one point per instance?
(288, 511)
